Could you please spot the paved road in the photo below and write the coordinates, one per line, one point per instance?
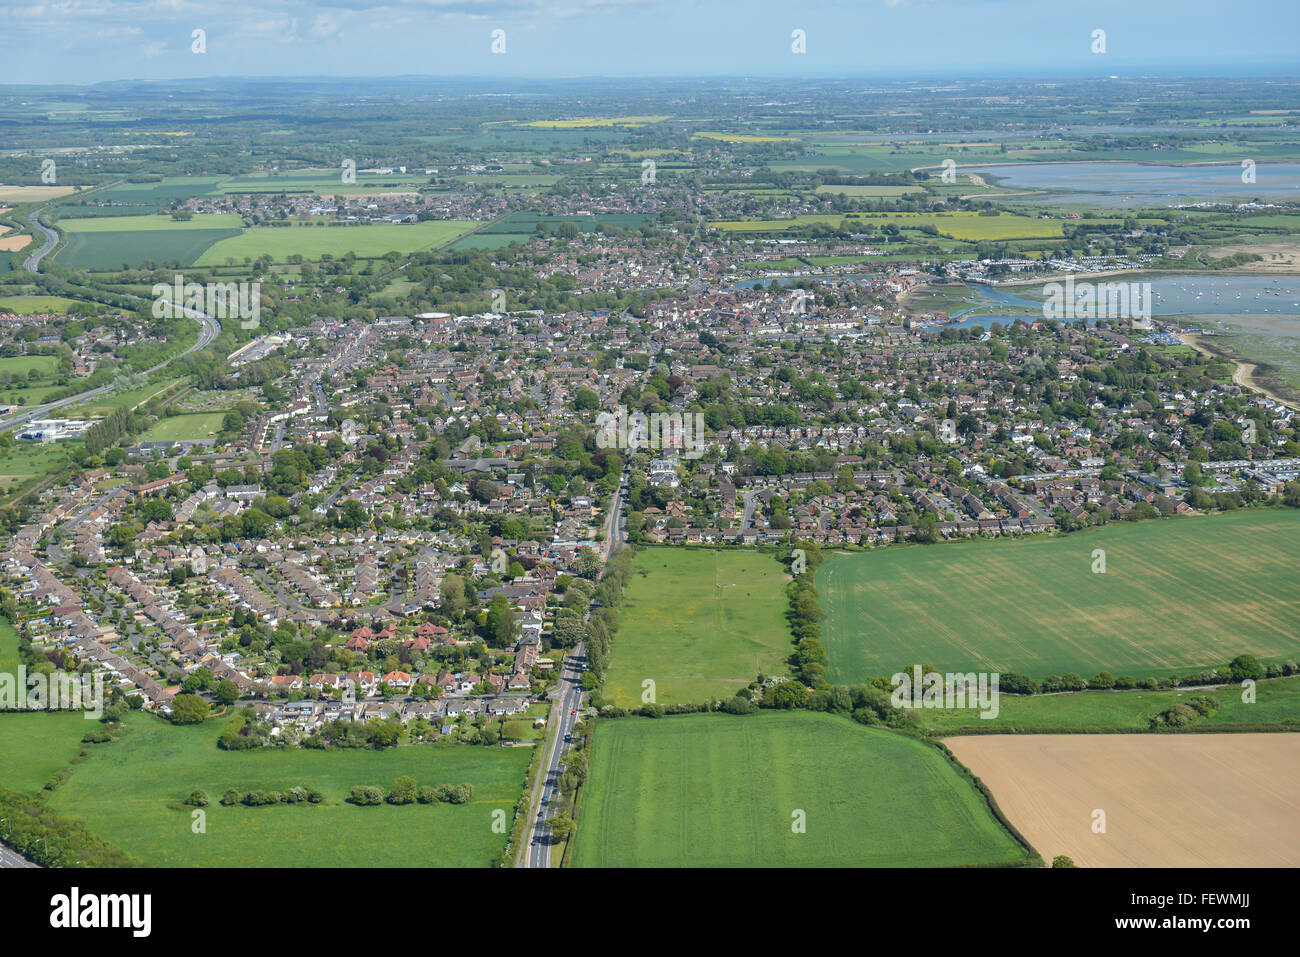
(210, 329)
(567, 704)
(33, 262)
(9, 858)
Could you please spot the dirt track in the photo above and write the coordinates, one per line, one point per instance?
(1190, 800)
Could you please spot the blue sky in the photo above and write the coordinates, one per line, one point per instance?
(86, 41)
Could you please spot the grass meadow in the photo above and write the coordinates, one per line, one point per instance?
(130, 792)
(700, 623)
(722, 791)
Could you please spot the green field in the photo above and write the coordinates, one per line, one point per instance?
(176, 428)
(130, 793)
(8, 647)
(367, 241)
(1277, 703)
(1177, 596)
(152, 224)
(721, 791)
(23, 365)
(108, 251)
(701, 624)
(35, 744)
(968, 226)
(31, 305)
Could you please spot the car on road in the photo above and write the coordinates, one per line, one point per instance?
(568, 738)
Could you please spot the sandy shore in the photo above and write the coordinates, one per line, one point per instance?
(1244, 373)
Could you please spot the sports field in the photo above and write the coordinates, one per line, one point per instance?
(1193, 800)
(1176, 596)
(722, 791)
(176, 428)
(700, 624)
(130, 793)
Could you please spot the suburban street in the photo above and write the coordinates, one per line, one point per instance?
(568, 702)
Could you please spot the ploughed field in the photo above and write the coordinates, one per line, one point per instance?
(1191, 800)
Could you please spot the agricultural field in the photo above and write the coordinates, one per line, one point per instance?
(968, 226)
(701, 624)
(367, 241)
(1177, 596)
(106, 242)
(178, 428)
(720, 791)
(130, 793)
(32, 194)
(869, 192)
(590, 122)
(1192, 800)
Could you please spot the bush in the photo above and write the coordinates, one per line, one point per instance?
(738, 705)
(366, 795)
(231, 797)
(461, 794)
(198, 798)
(427, 795)
(97, 736)
(403, 792)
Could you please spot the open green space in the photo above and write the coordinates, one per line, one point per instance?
(722, 791)
(1176, 596)
(130, 793)
(8, 647)
(367, 241)
(36, 744)
(700, 624)
(23, 365)
(33, 305)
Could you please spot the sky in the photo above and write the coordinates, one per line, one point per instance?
(89, 41)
